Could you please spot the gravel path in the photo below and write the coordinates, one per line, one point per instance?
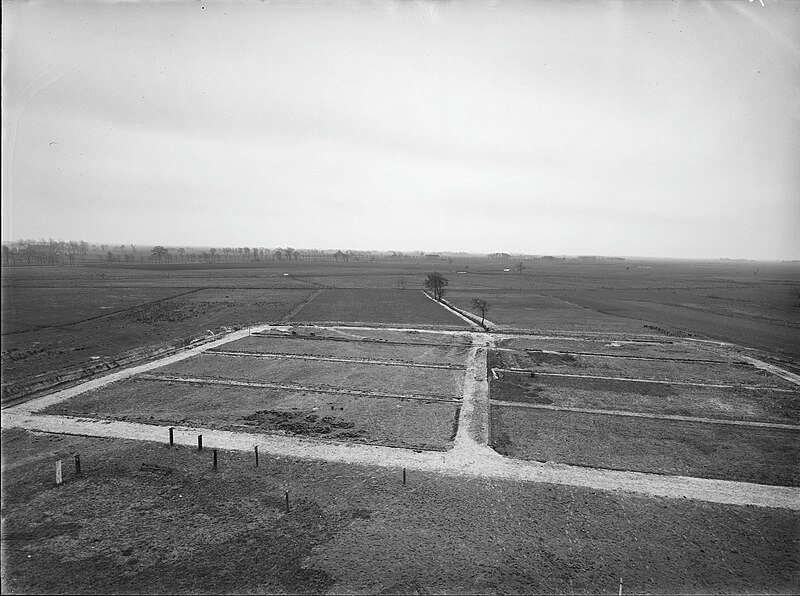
(469, 456)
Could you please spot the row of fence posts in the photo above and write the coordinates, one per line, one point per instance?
(60, 476)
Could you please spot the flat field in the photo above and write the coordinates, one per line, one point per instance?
(152, 519)
(370, 378)
(759, 405)
(377, 306)
(412, 424)
(637, 348)
(73, 344)
(720, 373)
(144, 518)
(761, 455)
(305, 345)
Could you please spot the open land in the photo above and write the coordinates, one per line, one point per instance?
(595, 433)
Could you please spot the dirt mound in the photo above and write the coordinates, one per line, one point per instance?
(299, 423)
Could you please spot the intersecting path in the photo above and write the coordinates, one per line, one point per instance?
(470, 454)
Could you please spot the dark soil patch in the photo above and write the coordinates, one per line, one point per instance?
(300, 423)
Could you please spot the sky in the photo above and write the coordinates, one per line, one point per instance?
(661, 129)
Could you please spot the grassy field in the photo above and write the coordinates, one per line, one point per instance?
(145, 518)
(762, 455)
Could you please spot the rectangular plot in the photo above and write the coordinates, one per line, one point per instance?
(612, 347)
(383, 421)
(409, 307)
(657, 370)
(349, 349)
(649, 398)
(309, 373)
(766, 456)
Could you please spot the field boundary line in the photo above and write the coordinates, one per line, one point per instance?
(274, 356)
(296, 310)
(480, 463)
(108, 314)
(675, 417)
(473, 324)
(306, 388)
(632, 380)
(45, 401)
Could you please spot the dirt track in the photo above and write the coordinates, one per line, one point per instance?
(469, 456)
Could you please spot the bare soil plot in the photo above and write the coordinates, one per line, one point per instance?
(641, 348)
(394, 422)
(765, 456)
(377, 306)
(300, 345)
(320, 374)
(392, 336)
(659, 370)
(759, 405)
(145, 518)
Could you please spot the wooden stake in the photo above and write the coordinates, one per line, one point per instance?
(59, 478)
(215, 458)
(199, 442)
(256, 450)
(287, 501)
(620, 586)
(404, 475)
(171, 437)
(77, 464)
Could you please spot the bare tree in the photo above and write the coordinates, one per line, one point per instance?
(436, 282)
(481, 305)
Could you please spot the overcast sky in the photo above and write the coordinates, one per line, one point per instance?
(636, 129)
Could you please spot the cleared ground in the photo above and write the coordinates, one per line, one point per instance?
(759, 405)
(343, 347)
(631, 408)
(269, 383)
(762, 455)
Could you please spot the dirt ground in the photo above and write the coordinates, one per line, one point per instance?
(728, 403)
(405, 423)
(761, 455)
(149, 518)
